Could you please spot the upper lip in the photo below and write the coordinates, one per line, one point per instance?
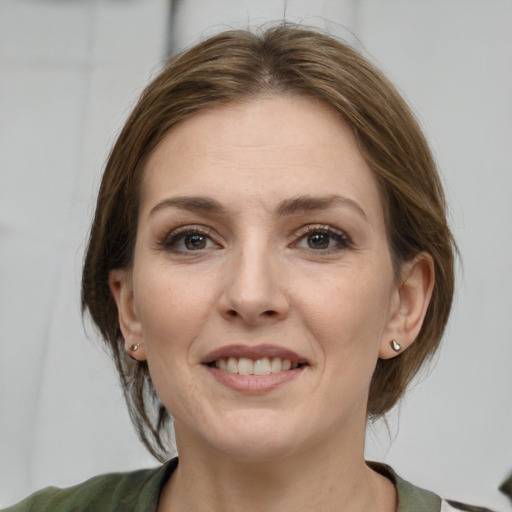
(253, 352)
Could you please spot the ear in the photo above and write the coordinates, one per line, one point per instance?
(409, 304)
(120, 283)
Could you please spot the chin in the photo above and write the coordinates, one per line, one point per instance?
(257, 449)
(253, 436)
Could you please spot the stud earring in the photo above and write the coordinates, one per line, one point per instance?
(134, 348)
(395, 346)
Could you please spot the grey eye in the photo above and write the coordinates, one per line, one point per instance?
(195, 242)
(187, 241)
(323, 239)
(319, 241)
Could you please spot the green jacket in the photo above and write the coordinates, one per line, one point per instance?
(138, 491)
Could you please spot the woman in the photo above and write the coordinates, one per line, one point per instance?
(270, 265)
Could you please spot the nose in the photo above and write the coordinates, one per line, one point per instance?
(254, 290)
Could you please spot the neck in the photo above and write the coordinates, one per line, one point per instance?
(319, 478)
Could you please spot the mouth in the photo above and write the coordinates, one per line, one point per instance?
(261, 366)
(260, 360)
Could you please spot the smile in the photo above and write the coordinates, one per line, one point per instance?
(261, 366)
(254, 369)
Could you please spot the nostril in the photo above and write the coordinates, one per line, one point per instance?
(269, 313)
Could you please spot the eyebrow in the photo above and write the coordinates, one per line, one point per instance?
(303, 204)
(286, 208)
(192, 203)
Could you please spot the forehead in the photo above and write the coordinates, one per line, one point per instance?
(261, 149)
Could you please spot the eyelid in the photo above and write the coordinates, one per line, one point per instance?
(325, 228)
(170, 238)
(317, 227)
(342, 236)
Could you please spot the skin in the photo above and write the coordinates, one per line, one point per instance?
(315, 280)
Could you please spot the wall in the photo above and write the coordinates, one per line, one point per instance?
(69, 72)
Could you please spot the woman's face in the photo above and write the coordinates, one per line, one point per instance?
(262, 288)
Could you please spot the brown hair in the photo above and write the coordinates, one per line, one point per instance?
(234, 66)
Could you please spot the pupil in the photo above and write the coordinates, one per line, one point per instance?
(195, 242)
(319, 241)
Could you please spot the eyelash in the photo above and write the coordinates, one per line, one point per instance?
(171, 241)
(342, 239)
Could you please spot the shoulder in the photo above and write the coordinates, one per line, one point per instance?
(412, 498)
(455, 506)
(131, 492)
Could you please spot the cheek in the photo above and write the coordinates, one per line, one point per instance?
(348, 322)
(353, 308)
(172, 309)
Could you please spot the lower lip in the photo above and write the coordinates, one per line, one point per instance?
(254, 384)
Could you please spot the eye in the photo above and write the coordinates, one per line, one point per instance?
(183, 240)
(322, 238)
(195, 242)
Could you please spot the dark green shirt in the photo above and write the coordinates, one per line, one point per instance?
(138, 491)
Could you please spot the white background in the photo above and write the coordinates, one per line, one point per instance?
(69, 72)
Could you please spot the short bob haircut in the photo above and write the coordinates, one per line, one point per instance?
(235, 66)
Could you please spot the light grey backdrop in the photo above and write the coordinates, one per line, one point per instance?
(69, 72)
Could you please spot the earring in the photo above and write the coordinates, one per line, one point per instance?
(395, 346)
(134, 348)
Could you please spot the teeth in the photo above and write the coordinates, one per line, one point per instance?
(263, 366)
(245, 366)
(232, 365)
(275, 365)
